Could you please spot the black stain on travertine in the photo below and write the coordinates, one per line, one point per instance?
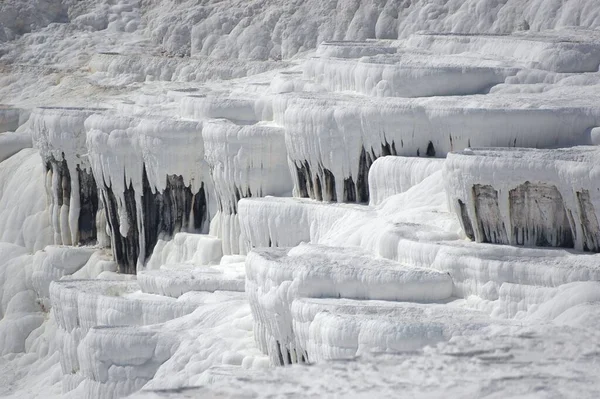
(329, 186)
(305, 185)
(88, 201)
(88, 197)
(487, 213)
(466, 220)
(319, 183)
(319, 186)
(286, 356)
(362, 181)
(125, 248)
(430, 150)
(538, 216)
(589, 222)
(163, 213)
(173, 210)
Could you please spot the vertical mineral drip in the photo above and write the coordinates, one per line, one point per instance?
(589, 222)
(56, 203)
(302, 186)
(103, 232)
(329, 185)
(538, 216)
(65, 187)
(466, 221)
(74, 207)
(125, 247)
(153, 214)
(141, 259)
(487, 212)
(362, 181)
(166, 213)
(132, 246)
(88, 207)
(200, 209)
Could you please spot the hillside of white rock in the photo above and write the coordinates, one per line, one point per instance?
(277, 198)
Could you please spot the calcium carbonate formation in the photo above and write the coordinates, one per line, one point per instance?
(191, 193)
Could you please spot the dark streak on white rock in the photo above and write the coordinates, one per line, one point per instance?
(164, 213)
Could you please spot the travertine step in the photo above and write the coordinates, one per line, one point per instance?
(177, 280)
(278, 276)
(409, 73)
(547, 198)
(558, 51)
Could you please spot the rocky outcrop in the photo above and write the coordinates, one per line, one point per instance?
(527, 197)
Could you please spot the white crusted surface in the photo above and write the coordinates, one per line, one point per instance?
(394, 175)
(230, 42)
(24, 222)
(179, 279)
(569, 171)
(244, 161)
(275, 277)
(13, 142)
(186, 248)
(408, 74)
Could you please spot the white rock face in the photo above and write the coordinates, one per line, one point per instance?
(177, 281)
(390, 175)
(59, 135)
(286, 222)
(465, 358)
(130, 167)
(184, 248)
(12, 139)
(9, 119)
(527, 197)
(544, 50)
(191, 262)
(248, 31)
(12, 142)
(19, 18)
(120, 148)
(81, 305)
(407, 73)
(218, 187)
(332, 168)
(344, 329)
(24, 218)
(244, 161)
(141, 68)
(18, 308)
(55, 262)
(276, 277)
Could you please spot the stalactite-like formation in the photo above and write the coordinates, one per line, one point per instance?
(72, 197)
(173, 210)
(125, 247)
(88, 207)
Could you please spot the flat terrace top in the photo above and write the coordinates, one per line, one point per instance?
(579, 99)
(584, 154)
(314, 261)
(567, 35)
(415, 58)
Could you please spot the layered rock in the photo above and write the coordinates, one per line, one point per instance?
(148, 192)
(277, 277)
(245, 161)
(332, 140)
(527, 197)
(562, 51)
(9, 118)
(81, 305)
(59, 134)
(391, 175)
(406, 73)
